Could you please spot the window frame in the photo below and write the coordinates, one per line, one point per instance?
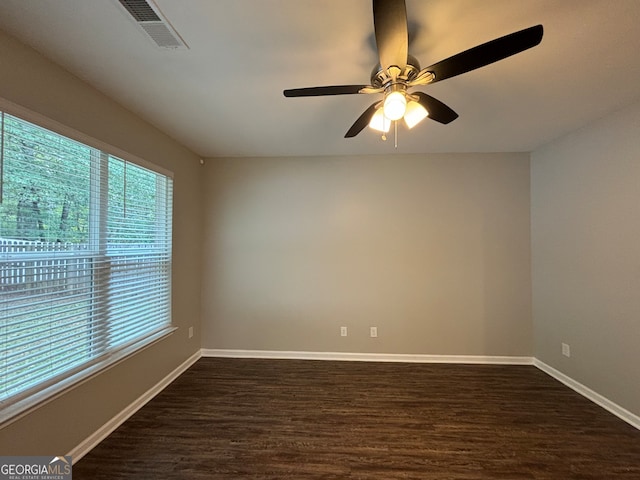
(56, 388)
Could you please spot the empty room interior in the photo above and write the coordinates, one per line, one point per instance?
(208, 270)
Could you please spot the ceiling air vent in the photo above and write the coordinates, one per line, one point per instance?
(149, 18)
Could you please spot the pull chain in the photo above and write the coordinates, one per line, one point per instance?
(395, 128)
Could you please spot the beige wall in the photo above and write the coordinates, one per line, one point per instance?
(433, 250)
(586, 255)
(29, 80)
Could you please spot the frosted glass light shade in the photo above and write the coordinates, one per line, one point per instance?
(414, 114)
(395, 105)
(379, 122)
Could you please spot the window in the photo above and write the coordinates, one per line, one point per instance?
(85, 259)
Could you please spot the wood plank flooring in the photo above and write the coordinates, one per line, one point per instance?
(296, 419)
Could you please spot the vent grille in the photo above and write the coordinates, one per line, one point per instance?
(140, 10)
(156, 27)
(160, 34)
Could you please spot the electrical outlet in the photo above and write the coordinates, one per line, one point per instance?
(343, 331)
(190, 332)
(373, 331)
(566, 350)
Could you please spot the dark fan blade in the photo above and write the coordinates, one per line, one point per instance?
(320, 91)
(438, 111)
(362, 121)
(487, 53)
(392, 40)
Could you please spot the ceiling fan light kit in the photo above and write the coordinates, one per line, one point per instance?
(380, 122)
(398, 71)
(395, 102)
(414, 114)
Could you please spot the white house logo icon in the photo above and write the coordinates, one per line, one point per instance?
(59, 468)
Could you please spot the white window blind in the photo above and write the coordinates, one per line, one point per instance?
(85, 257)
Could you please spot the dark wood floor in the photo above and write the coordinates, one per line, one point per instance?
(290, 419)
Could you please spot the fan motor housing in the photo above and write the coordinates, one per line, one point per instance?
(381, 78)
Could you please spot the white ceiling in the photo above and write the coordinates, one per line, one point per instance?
(223, 96)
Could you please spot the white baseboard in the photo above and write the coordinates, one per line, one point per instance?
(103, 432)
(586, 392)
(367, 357)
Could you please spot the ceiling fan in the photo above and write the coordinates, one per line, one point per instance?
(398, 72)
